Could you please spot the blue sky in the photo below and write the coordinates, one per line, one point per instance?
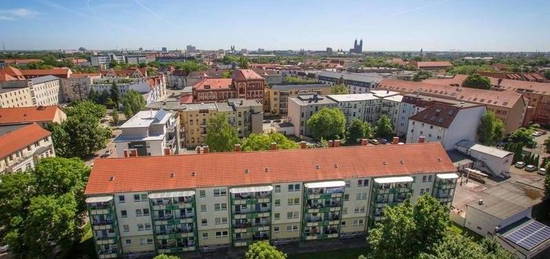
(500, 25)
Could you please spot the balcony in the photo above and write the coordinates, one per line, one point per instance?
(175, 231)
(102, 222)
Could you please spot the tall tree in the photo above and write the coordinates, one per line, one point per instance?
(339, 89)
(328, 123)
(431, 220)
(257, 142)
(115, 94)
(220, 135)
(263, 250)
(490, 129)
(357, 130)
(477, 81)
(132, 103)
(421, 75)
(384, 127)
(394, 236)
(522, 136)
(86, 109)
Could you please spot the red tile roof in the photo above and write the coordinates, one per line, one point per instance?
(14, 72)
(22, 61)
(245, 74)
(428, 64)
(213, 83)
(27, 114)
(509, 84)
(60, 72)
(20, 138)
(187, 98)
(437, 114)
(82, 75)
(228, 169)
(6, 77)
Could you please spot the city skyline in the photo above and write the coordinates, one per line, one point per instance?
(397, 26)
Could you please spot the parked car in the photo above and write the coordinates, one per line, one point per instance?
(530, 168)
(519, 164)
(373, 141)
(541, 171)
(4, 248)
(537, 134)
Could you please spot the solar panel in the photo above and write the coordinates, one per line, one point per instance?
(529, 235)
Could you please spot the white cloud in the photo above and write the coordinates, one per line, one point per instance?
(15, 14)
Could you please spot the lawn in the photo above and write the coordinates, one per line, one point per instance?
(351, 253)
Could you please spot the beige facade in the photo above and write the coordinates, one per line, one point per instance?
(15, 97)
(18, 158)
(276, 96)
(45, 90)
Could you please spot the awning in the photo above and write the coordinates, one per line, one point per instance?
(399, 179)
(325, 184)
(447, 176)
(161, 195)
(266, 188)
(99, 199)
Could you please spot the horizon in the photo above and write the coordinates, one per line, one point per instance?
(398, 26)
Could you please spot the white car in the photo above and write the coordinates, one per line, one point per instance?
(4, 248)
(542, 171)
(530, 168)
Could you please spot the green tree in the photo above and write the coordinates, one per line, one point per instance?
(227, 74)
(547, 144)
(328, 123)
(358, 130)
(490, 129)
(163, 256)
(85, 109)
(421, 75)
(299, 80)
(220, 135)
(523, 136)
(115, 94)
(477, 81)
(339, 89)
(547, 74)
(243, 63)
(132, 103)
(546, 182)
(384, 127)
(456, 246)
(116, 118)
(263, 250)
(393, 236)
(431, 221)
(256, 142)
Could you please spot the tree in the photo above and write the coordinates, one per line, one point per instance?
(431, 221)
(421, 75)
(163, 256)
(546, 182)
(256, 142)
(477, 81)
(384, 127)
(523, 136)
(115, 94)
(358, 130)
(116, 118)
(456, 246)
(220, 135)
(339, 89)
(263, 250)
(243, 63)
(328, 123)
(132, 103)
(547, 144)
(490, 129)
(85, 109)
(547, 74)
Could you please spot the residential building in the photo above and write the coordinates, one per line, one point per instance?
(41, 115)
(431, 65)
(10, 73)
(172, 204)
(445, 123)
(104, 60)
(364, 107)
(356, 82)
(15, 97)
(508, 106)
(302, 107)
(276, 96)
(152, 88)
(78, 86)
(149, 133)
(489, 160)
(22, 145)
(271, 76)
(45, 90)
(244, 83)
(136, 59)
(194, 77)
(57, 72)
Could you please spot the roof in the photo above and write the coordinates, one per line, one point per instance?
(6, 77)
(298, 87)
(12, 71)
(527, 233)
(146, 118)
(245, 74)
(82, 75)
(42, 79)
(438, 114)
(213, 84)
(505, 98)
(309, 99)
(62, 72)
(492, 151)
(249, 168)
(360, 77)
(28, 114)
(352, 97)
(17, 137)
(421, 64)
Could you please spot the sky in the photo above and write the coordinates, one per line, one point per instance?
(391, 25)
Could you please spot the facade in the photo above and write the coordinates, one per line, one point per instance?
(431, 65)
(244, 83)
(173, 204)
(149, 133)
(22, 145)
(490, 160)
(153, 88)
(302, 107)
(41, 115)
(356, 82)
(445, 123)
(276, 96)
(103, 60)
(77, 87)
(45, 90)
(15, 97)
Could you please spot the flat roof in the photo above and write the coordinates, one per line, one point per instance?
(360, 77)
(352, 97)
(447, 176)
(298, 86)
(144, 119)
(493, 151)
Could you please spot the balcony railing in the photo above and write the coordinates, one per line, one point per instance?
(102, 222)
(175, 231)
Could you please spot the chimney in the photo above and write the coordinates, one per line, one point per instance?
(198, 149)
(205, 149)
(480, 202)
(303, 145)
(273, 146)
(331, 143)
(337, 143)
(364, 141)
(395, 140)
(237, 147)
(167, 151)
(421, 139)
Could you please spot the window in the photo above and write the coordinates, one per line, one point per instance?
(123, 214)
(223, 192)
(277, 188)
(294, 228)
(217, 207)
(147, 226)
(204, 222)
(126, 228)
(293, 201)
(202, 193)
(343, 223)
(429, 178)
(424, 178)
(203, 208)
(289, 215)
(121, 199)
(344, 211)
(224, 206)
(346, 197)
(347, 184)
(145, 212)
(276, 229)
(138, 213)
(128, 241)
(216, 192)
(277, 216)
(205, 235)
(289, 228)
(224, 220)
(277, 203)
(294, 187)
(363, 183)
(218, 221)
(140, 227)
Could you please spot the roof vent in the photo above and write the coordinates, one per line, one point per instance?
(480, 202)
(438, 159)
(246, 171)
(385, 163)
(193, 173)
(317, 167)
(266, 169)
(402, 162)
(112, 178)
(172, 175)
(335, 165)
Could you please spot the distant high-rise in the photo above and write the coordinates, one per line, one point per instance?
(357, 48)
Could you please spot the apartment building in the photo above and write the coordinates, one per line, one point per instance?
(356, 82)
(41, 115)
(174, 204)
(149, 133)
(507, 105)
(15, 97)
(153, 88)
(57, 72)
(302, 107)
(448, 124)
(78, 86)
(22, 145)
(45, 90)
(244, 83)
(276, 96)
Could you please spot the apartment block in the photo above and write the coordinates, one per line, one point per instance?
(356, 82)
(42, 115)
(276, 96)
(15, 97)
(22, 145)
(302, 107)
(173, 204)
(149, 133)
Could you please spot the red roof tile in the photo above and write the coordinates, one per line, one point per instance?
(20, 138)
(213, 83)
(245, 74)
(228, 169)
(187, 98)
(428, 64)
(60, 72)
(28, 114)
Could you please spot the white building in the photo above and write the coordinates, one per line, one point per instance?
(490, 160)
(357, 106)
(356, 82)
(301, 108)
(45, 90)
(445, 123)
(153, 89)
(149, 133)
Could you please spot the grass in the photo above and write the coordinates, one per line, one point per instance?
(350, 253)
(453, 227)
